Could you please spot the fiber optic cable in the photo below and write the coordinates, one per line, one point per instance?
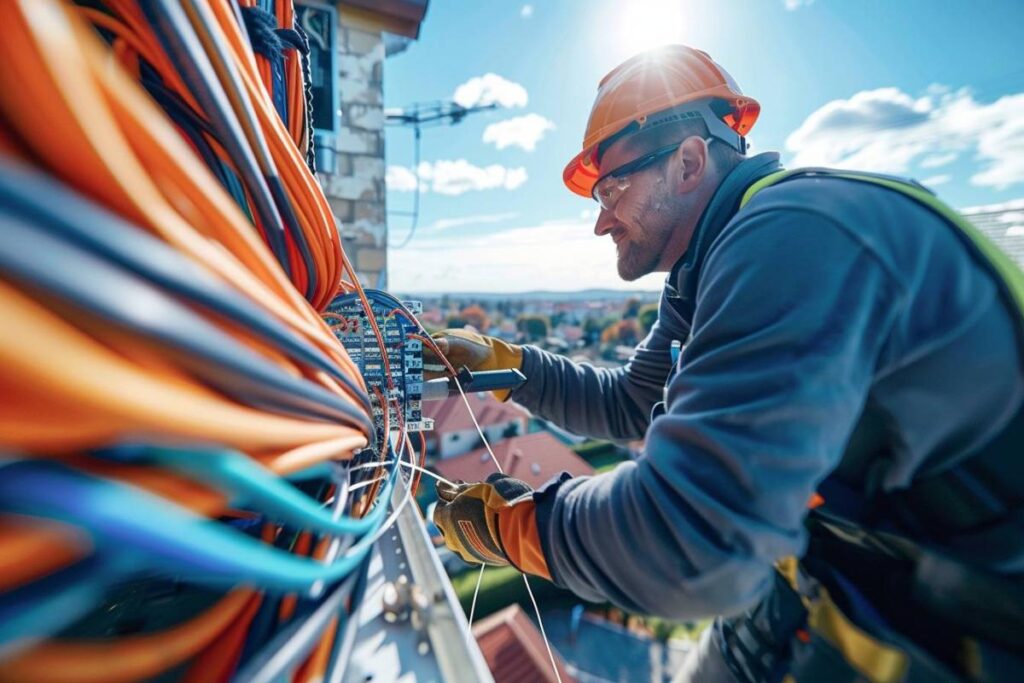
(174, 161)
(45, 606)
(292, 643)
(162, 438)
(296, 642)
(176, 542)
(251, 485)
(118, 299)
(208, 31)
(33, 548)
(94, 376)
(128, 658)
(182, 46)
(220, 657)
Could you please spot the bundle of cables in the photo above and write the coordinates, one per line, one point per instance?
(190, 473)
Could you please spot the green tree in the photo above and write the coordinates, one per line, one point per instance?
(646, 317)
(632, 307)
(535, 327)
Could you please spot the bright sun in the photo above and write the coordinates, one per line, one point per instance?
(644, 24)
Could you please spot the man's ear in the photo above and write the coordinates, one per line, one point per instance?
(689, 164)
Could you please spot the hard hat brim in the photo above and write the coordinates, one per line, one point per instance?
(584, 170)
(580, 174)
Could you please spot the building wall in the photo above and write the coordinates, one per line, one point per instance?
(452, 444)
(355, 188)
(457, 443)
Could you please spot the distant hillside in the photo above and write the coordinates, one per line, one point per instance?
(581, 295)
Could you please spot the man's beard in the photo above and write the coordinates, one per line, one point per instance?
(635, 261)
(641, 255)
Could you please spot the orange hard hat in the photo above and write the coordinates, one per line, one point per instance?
(667, 84)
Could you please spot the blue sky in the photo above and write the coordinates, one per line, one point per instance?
(934, 90)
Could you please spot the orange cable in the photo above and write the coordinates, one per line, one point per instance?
(126, 658)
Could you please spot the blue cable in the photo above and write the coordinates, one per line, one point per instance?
(76, 219)
(52, 603)
(167, 539)
(249, 483)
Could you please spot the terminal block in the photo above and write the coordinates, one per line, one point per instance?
(399, 379)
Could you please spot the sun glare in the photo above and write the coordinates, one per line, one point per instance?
(645, 24)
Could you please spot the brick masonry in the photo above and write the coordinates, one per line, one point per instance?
(355, 188)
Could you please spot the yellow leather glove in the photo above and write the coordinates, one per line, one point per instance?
(491, 522)
(468, 349)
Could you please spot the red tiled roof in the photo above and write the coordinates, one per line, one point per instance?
(514, 649)
(451, 415)
(534, 458)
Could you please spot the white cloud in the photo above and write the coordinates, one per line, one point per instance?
(562, 256)
(889, 131)
(526, 12)
(446, 223)
(454, 177)
(938, 160)
(488, 89)
(937, 180)
(796, 4)
(522, 131)
(400, 179)
(1012, 217)
(1012, 205)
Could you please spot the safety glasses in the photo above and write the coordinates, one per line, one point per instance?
(610, 187)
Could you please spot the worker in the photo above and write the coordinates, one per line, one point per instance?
(830, 402)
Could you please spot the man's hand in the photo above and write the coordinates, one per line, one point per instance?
(463, 348)
(491, 522)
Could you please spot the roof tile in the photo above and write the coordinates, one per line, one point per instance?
(533, 458)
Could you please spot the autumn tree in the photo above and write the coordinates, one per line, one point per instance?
(476, 316)
(624, 332)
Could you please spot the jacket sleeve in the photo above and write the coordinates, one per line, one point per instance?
(791, 316)
(602, 403)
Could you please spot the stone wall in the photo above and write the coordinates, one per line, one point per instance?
(355, 188)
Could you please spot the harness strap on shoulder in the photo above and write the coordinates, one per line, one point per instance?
(1009, 273)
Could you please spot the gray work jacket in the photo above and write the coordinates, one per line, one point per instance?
(819, 297)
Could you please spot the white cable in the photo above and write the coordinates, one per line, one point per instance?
(476, 424)
(476, 591)
(428, 473)
(543, 635)
(479, 579)
(370, 465)
(369, 540)
(536, 609)
(368, 482)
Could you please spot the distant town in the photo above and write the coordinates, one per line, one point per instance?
(599, 326)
